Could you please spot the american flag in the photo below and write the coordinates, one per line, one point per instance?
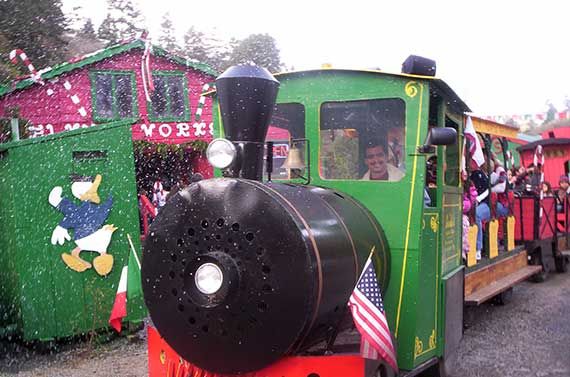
(370, 319)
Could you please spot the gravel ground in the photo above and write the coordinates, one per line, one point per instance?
(122, 356)
(530, 336)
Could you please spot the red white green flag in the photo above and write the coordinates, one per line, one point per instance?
(120, 306)
(129, 289)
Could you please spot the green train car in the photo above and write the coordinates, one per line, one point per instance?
(263, 259)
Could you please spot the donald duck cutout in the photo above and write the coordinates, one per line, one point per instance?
(87, 221)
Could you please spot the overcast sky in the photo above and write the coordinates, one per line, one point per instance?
(501, 57)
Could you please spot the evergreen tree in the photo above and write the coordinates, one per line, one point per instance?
(36, 26)
(259, 49)
(108, 31)
(167, 40)
(84, 40)
(195, 46)
(88, 30)
(133, 16)
(222, 57)
(123, 21)
(8, 71)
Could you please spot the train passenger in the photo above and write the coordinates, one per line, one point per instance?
(469, 200)
(482, 212)
(499, 180)
(499, 186)
(534, 173)
(562, 192)
(521, 179)
(547, 189)
(378, 167)
(511, 178)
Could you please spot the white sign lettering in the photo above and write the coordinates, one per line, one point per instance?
(147, 129)
(165, 130)
(151, 130)
(39, 130)
(200, 129)
(183, 129)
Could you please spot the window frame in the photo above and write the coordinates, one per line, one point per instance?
(275, 174)
(134, 95)
(319, 155)
(169, 118)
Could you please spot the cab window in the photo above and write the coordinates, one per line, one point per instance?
(363, 140)
(287, 123)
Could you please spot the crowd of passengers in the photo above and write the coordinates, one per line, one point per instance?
(480, 185)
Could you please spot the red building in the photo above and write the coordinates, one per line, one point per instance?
(109, 85)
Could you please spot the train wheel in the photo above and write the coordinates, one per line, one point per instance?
(47, 347)
(504, 297)
(536, 260)
(561, 264)
(385, 371)
(443, 368)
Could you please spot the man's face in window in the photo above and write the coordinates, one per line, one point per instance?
(375, 159)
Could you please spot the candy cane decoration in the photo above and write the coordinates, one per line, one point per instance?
(202, 101)
(74, 98)
(148, 85)
(34, 75)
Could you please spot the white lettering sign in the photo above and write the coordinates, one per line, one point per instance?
(147, 129)
(39, 130)
(183, 130)
(165, 130)
(200, 129)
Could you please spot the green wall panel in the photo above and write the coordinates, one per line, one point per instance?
(54, 300)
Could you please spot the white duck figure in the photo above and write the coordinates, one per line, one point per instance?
(87, 220)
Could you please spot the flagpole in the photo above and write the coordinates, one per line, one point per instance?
(334, 335)
(365, 263)
(134, 251)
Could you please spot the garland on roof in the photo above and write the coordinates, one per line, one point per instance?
(163, 149)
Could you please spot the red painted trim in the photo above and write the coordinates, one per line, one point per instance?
(295, 366)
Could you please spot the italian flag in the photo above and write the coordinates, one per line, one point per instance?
(129, 288)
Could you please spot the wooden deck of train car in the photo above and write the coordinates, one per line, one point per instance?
(487, 280)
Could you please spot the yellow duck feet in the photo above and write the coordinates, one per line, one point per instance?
(103, 264)
(75, 263)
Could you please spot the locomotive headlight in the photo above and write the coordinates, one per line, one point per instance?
(208, 278)
(221, 153)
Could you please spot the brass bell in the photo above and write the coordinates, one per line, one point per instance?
(294, 159)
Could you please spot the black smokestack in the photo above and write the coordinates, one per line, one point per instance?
(247, 95)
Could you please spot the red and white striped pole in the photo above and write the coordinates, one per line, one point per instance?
(202, 101)
(539, 159)
(34, 74)
(510, 160)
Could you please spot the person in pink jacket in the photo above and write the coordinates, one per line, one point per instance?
(469, 199)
